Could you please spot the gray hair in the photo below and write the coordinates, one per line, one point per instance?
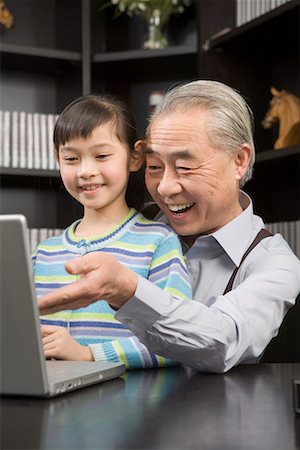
(230, 123)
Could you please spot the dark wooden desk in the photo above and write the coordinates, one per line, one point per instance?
(251, 407)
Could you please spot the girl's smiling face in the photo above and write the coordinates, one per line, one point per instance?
(95, 170)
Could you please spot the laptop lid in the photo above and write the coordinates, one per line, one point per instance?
(23, 366)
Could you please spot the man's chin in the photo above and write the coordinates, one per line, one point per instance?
(180, 229)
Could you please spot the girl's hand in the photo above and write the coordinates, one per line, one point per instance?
(58, 344)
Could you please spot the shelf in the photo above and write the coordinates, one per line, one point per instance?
(258, 28)
(271, 155)
(278, 170)
(13, 171)
(136, 55)
(38, 59)
(181, 60)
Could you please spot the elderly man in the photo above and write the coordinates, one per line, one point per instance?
(199, 153)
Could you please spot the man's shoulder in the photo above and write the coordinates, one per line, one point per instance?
(272, 254)
(277, 245)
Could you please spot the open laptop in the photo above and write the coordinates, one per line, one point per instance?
(24, 370)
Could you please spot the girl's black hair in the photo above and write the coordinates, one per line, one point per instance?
(84, 114)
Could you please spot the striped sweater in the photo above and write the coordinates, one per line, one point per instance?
(149, 248)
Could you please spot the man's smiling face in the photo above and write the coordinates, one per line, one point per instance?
(194, 183)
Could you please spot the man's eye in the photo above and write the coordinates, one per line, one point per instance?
(183, 169)
(153, 168)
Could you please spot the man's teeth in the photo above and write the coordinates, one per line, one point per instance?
(176, 208)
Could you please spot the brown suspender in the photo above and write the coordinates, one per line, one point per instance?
(261, 235)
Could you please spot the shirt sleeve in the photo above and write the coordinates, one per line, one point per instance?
(235, 329)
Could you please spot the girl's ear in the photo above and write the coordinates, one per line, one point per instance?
(56, 156)
(137, 157)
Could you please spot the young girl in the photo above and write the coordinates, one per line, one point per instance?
(94, 142)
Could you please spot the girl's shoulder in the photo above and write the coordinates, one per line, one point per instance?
(153, 225)
(50, 244)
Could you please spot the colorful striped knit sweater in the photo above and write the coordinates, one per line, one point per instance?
(149, 248)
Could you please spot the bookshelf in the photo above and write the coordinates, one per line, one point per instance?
(120, 65)
(55, 53)
(41, 70)
(264, 52)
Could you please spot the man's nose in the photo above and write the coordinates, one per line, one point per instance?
(169, 184)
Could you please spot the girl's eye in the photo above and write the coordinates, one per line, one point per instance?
(101, 156)
(70, 158)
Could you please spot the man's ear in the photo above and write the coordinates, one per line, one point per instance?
(242, 160)
(137, 157)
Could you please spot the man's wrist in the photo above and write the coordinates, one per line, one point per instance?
(127, 282)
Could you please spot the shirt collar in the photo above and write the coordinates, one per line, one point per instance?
(235, 237)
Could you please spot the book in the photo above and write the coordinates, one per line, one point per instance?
(29, 141)
(155, 97)
(247, 10)
(22, 140)
(44, 142)
(6, 160)
(38, 235)
(15, 157)
(51, 119)
(36, 141)
(290, 230)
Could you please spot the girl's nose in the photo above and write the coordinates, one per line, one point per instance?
(87, 169)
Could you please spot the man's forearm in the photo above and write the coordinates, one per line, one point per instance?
(184, 330)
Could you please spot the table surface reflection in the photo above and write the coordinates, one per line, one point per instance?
(251, 407)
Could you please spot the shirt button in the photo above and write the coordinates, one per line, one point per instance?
(127, 321)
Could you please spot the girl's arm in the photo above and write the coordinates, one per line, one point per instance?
(131, 352)
(168, 271)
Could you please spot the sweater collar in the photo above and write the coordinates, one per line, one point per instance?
(81, 245)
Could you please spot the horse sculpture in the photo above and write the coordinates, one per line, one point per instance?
(6, 17)
(285, 109)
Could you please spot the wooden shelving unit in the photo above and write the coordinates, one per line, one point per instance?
(255, 50)
(59, 53)
(251, 58)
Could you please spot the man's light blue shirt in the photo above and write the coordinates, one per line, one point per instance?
(214, 332)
